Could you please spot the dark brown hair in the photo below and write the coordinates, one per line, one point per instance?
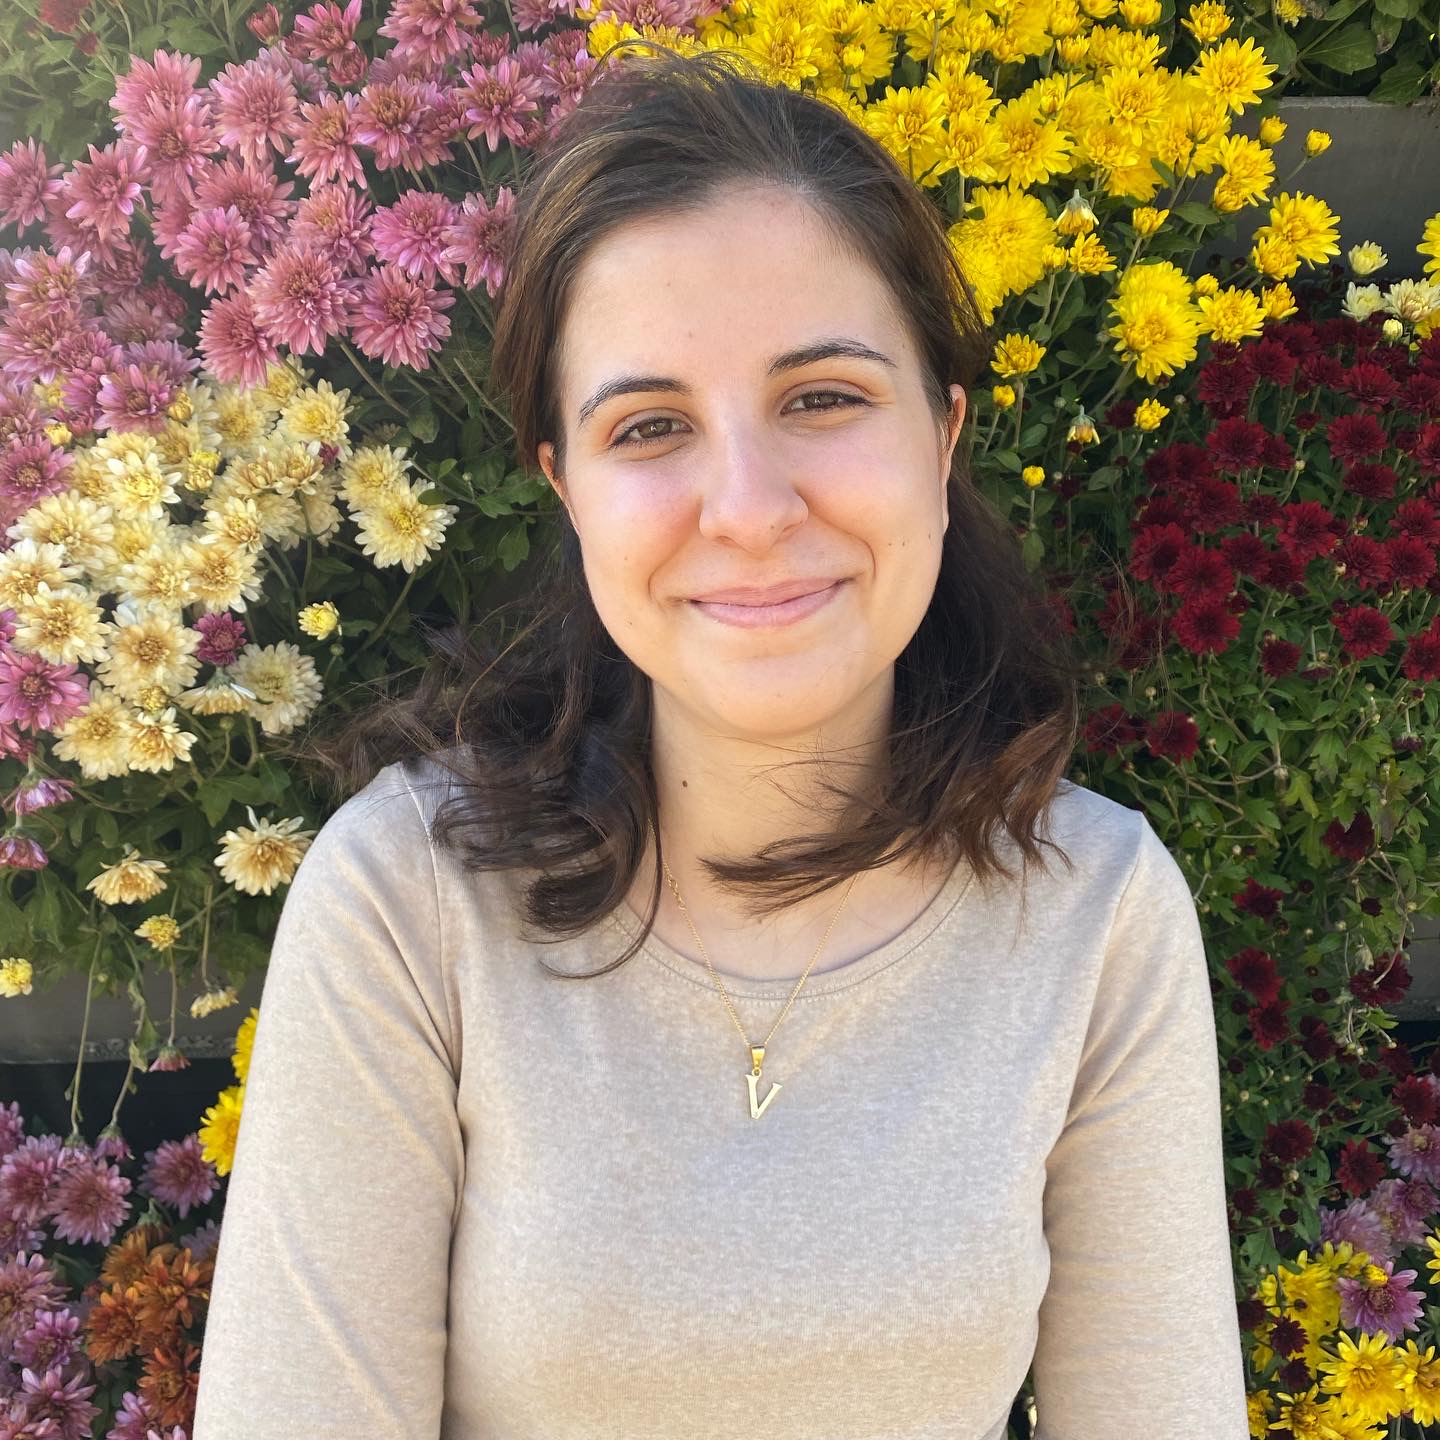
(548, 727)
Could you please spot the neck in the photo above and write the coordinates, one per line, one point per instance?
(723, 796)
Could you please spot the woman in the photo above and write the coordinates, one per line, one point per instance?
(790, 704)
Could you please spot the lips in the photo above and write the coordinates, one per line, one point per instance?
(766, 595)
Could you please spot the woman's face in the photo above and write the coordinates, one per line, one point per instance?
(702, 457)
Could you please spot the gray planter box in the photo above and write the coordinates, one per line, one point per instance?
(1381, 174)
(44, 1026)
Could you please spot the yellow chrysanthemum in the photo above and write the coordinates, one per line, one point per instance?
(245, 1044)
(1003, 396)
(1033, 475)
(1207, 21)
(1235, 72)
(1155, 324)
(1309, 225)
(1366, 1374)
(1317, 142)
(1429, 245)
(1248, 172)
(1232, 315)
(1274, 256)
(1137, 98)
(1082, 430)
(129, 879)
(320, 620)
(220, 1128)
(1140, 13)
(1272, 130)
(1278, 301)
(16, 974)
(1149, 413)
(257, 858)
(1289, 12)
(161, 931)
(1147, 220)
(1000, 251)
(910, 124)
(1088, 256)
(1017, 355)
(1030, 152)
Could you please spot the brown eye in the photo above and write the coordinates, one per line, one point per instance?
(629, 435)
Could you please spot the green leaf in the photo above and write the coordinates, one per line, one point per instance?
(1400, 84)
(514, 546)
(1348, 49)
(1280, 50)
(1398, 9)
(1194, 213)
(1032, 550)
(423, 425)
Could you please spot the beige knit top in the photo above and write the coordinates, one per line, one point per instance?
(476, 1202)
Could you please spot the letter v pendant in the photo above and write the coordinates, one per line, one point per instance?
(757, 1054)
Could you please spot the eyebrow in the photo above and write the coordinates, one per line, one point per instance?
(790, 360)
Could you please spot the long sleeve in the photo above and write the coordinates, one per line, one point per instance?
(329, 1305)
(1138, 1324)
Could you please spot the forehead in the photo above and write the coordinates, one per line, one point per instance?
(751, 271)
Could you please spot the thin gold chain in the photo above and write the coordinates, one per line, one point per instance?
(725, 994)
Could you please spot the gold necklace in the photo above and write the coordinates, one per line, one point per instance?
(757, 1052)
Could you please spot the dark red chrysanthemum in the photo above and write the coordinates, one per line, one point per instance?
(1309, 529)
(1278, 454)
(1412, 561)
(1237, 445)
(1271, 360)
(1120, 415)
(1417, 1101)
(1319, 371)
(1262, 508)
(1424, 449)
(1213, 505)
(1279, 657)
(1224, 389)
(1255, 972)
(1418, 517)
(1205, 626)
(1305, 420)
(1383, 984)
(1245, 553)
(1370, 384)
(1359, 1169)
(1370, 480)
(1283, 570)
(1364, 631)
(1288, 1142)
(1154, 549)
(1112, 729)
(1366, 562)
(1421, 395)
(1172, 735)
(1177, 464)
(1200, 574)
(1269, 1027)
(1261, 901)
(1163, 510)
(1355, 437)
(1350, 842)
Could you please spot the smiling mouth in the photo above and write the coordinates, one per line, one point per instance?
(783, 612)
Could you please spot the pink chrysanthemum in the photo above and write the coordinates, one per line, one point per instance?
(224, 638)
(407, 123)
(37, 794)
(38, 696)
(103, 190)
(260, 196)
(26, 1175)
(168, 80)
(257, 107)
(399, 320)
(136, 394)
(411, 234)
(335, 219)
(89, 1202)
(12, 1120)
(325, 141)
(51, 1342)
(499, 101)
(236, 349)
(569, 67)
(28, 1283)
(120, 265)
(434, 31)
(87, 355)
(324, 31)
(27, 183)
(179, 140)
(49, 286)
(31, 471)
(21, 420)
(300, 299)
(178, 1175)
(214, 250)
(133, 319)
(30, 349)
(479, 239)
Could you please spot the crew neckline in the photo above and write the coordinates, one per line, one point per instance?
(842, 977)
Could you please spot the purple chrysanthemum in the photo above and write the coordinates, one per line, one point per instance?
(21, 421)
(136, 394)
(20, 852)
(400, 320)
(26, 1175)
(178, 1175)
(52, 1340)
(325, 141)
(87, 357)
(479, 239)
(224, 637)
(37, 794)
(31, 470)
(28, 1286)
(12, 1119)
(257, 109)
(411, 234)
(104, 189)
(54, 1406)
(214, 250)
(30, 348)
(235, 348)
(201, 1243)
(335, 219)
(27, 183)
(300, 299)
(37, 695)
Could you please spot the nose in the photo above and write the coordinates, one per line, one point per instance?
(748, 495)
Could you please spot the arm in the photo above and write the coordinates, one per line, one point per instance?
(328, 1311)
(1138, 1329)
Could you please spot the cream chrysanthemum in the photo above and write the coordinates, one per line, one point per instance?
(151, 645)
(400, 530)
(157, 741)
(29, 564)
(83, 528)
(266, 854)
(213, 1000)
(160, 573)
(225, 576)
(138, 486)
(16, 973)
(233, 519)
(1412, 300)
(286, 684)
(315, 417)
(65, 626)
(221, 694)
(370, 472)
(129, 880)
(241, 423)
(1362, 301)
(97, 739)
